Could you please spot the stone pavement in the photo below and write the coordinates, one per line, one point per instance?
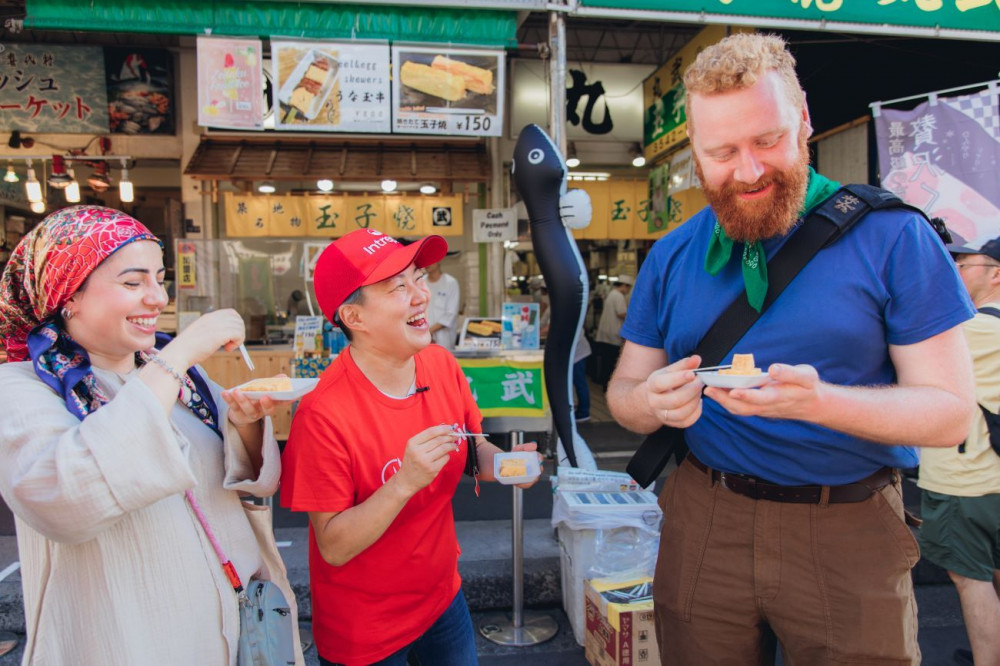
(484, 531)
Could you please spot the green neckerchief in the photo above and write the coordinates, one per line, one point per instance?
(754, 263)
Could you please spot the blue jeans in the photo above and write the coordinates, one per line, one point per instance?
(582, 390)
(450, 641)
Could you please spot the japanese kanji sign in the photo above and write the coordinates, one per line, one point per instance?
(439, 90)
(603, 101)
(251, 215)
(331, 86)
(944, 158)
(187, 277)
(504, 387)
(230, 78)
(47, 88)
(663, 94)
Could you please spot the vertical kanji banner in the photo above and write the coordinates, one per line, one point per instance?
(45, 88)
(944, 157)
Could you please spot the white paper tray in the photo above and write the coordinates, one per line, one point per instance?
(292, 82)
(531, 467)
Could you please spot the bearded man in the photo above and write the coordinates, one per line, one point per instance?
(785, 523)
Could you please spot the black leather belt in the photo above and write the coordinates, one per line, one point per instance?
(755, 488)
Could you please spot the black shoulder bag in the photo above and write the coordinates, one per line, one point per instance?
(992, 420)
(823, 226)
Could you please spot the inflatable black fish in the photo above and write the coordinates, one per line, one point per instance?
(540, 177)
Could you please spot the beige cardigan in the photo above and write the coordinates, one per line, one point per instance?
(115, 567)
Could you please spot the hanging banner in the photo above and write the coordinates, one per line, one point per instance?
(438, 90)
(405, 216)
(331, 86)
(230, 78)
(45, 88)
(288, 215)
(944, 158)
(140, 85)
(325, 216)
(247, 215)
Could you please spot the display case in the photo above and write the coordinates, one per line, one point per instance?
(268, 281)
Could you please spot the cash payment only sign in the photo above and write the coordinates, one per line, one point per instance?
(492, 225)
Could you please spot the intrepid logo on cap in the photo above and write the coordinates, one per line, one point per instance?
(379, 242)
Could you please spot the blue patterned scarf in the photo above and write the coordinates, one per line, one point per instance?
(65, 366)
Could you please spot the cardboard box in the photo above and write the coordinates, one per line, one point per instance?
(620, 626)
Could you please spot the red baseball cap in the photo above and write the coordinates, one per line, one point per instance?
(364, 257)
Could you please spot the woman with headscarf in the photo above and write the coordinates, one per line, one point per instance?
(109, 447)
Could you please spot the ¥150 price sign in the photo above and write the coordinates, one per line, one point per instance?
(438, 90)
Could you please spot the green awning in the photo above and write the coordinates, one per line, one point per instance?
(966, 19)
(310, 20)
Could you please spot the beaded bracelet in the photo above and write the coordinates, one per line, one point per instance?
(163, 364)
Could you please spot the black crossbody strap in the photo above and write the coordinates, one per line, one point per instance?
(824, 225)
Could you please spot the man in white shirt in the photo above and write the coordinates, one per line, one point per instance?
(442, 313)
(608, 342)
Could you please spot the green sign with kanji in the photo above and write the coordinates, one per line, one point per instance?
(506, 388)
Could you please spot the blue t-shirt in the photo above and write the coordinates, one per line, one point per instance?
(889, 280)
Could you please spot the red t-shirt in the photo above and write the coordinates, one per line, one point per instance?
(346, 440)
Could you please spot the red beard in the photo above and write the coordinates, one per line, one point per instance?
(768, 217)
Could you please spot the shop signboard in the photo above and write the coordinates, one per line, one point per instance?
(663, 95)
(47, 88)
(287, 215)
(604, 102)
(493, 225)
(504, 387)
(885, 15)
(442, 90)
(943, 156)
(331, 86)
(230, 78)
(140, 84)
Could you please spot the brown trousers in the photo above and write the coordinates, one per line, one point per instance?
(830, 581)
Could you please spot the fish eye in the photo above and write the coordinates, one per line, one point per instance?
(536, 156)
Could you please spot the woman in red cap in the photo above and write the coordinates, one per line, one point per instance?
(374, 455)
(109, 448)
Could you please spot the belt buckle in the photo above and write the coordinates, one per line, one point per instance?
(750, 489)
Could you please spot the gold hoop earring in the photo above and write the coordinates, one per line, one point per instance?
(66, 313)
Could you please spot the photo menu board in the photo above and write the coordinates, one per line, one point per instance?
(331, 86)
(230, 78)
(441, 90)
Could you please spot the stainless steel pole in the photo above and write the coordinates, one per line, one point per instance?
(518, 627)
(557, 76)
(517, 542)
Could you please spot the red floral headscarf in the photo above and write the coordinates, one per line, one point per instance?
(51, 262)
